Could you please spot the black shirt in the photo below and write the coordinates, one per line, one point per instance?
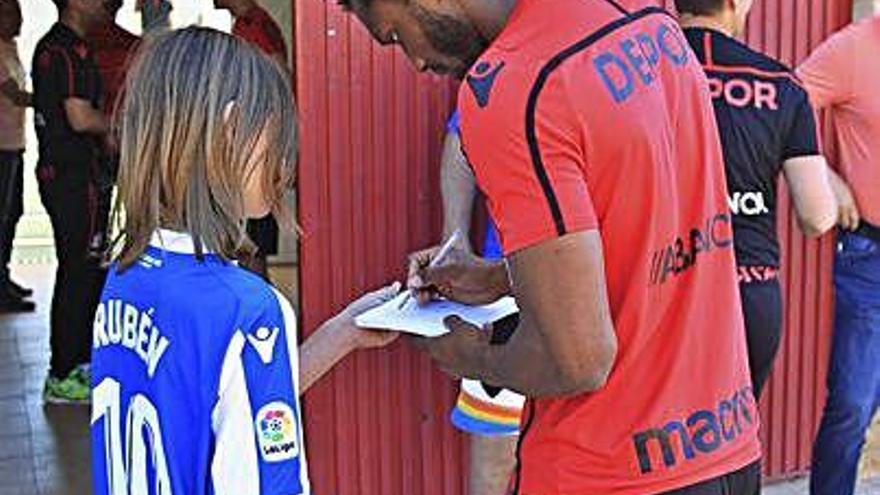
(63, 67)
(765, 118)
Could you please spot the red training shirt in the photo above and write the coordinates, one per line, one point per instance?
(113, 48)
(258, 27)
(595, 115)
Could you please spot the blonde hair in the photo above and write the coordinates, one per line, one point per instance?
(197, 101)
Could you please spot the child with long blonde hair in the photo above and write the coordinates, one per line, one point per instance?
(196, 372)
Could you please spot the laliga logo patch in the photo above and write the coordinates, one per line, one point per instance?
(276, 431)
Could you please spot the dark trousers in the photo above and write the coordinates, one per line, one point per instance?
(72, 204)
(746, 481)
(762, 309)
(11, 206)
(854, 369)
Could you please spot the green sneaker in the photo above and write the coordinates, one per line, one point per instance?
(83, 373)
(69, 390)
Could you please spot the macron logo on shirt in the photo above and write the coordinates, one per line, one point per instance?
(482, 80)
(263, 341)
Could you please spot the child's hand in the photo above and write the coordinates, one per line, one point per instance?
(364, 338)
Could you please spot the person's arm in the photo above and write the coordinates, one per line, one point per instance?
(804, 167)
(848, 216)
(828, 72)
(70, 79)
(339, 336)
(85, 118)
(565, 343)
(458, 188)
(810, 188)
(19, 97)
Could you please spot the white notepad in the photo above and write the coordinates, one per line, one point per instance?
(427, 320)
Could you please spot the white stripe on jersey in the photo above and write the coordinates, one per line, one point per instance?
(290, 326)
(235, 469)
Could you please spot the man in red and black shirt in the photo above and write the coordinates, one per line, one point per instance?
(70, 129)
(254, 25)
(590, 129)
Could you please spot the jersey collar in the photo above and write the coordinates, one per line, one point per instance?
(173, 242)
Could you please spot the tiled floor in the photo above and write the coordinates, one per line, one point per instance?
(801, 487)
(43, 450)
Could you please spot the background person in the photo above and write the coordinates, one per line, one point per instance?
(841, 76)
(113, 47)
(254, 25)
(488, 414)
(13, 101)
(70, 129)
(768, 130)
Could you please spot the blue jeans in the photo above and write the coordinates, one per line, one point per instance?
(854, 370)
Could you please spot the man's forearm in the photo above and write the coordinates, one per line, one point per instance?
(523, 364)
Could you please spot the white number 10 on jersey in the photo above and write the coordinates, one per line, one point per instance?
(127, 469)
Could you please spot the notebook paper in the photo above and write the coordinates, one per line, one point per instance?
(427, 320)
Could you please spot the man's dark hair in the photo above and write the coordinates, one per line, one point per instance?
(699, 7)
(60, 4)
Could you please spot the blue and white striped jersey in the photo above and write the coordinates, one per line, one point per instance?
(195, 379)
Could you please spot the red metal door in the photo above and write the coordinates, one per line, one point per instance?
(368, 194)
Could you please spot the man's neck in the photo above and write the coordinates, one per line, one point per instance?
(706, 22)
(489, 17)
(75, 23)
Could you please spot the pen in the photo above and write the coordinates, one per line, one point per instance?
(445, 249)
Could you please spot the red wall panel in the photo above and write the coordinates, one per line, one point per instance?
(369, 194)
(792, 404)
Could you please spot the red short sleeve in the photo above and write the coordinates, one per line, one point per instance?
(528, 158)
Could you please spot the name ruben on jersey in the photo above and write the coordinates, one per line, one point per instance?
(123, 324)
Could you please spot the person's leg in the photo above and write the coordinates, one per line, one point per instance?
(12, 296)
(762, 309)
(8, 170)
(491, 416)
(854, 369)
(67, 206)
(492, 460)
